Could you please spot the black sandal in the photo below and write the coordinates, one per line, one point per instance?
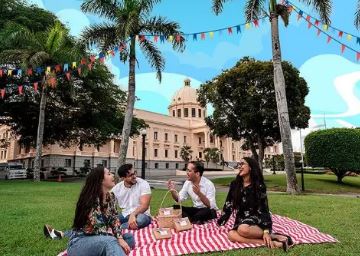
(286, 244)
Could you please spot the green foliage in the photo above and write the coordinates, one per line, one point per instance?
(185, 153)
(212, 154)
(244, 102)
(337, 149)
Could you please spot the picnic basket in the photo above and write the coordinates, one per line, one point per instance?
(167, 216)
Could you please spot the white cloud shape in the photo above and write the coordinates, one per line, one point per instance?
(74, 19)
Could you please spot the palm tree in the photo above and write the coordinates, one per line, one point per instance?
(253, 10)
(129, 19)
(30, 49)
(186, 153)
(357, 16)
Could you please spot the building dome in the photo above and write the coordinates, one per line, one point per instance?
(185, 95)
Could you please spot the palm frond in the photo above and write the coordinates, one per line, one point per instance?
(38, 58)
(323, 7)
(55, 38)
(154, 57)
(148, 5)
(104, 8)
(104, 35)
(159, 25)
(18, 36)
(357, 16)
(283, 12)
(14, 56)
(253, 9)
(217, 6)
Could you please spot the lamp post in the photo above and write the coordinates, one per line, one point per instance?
(302, 163)
(143, 135)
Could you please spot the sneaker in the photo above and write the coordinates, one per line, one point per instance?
(49, 232)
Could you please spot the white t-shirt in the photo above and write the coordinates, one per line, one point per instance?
(129, 198)
(206, 187)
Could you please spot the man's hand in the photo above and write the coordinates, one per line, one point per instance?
(171, 185)
(196, 190)
(124, 245)
(132, 222)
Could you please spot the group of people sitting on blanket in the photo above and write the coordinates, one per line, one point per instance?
(97, 227)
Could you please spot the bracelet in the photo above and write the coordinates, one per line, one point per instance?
(266, 231)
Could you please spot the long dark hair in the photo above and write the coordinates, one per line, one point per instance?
(257, 180)
(90, 193)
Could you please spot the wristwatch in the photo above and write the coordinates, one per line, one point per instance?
(266, 231)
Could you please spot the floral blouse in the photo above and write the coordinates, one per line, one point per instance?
(248, 212)
(103, 222)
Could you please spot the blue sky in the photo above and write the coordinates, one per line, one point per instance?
(333, 77)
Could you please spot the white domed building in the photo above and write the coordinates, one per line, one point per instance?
(165, 136)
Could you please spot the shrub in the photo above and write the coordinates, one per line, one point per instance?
(337, 149)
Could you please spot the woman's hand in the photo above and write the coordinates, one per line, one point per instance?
(124, 245)
(267, 240)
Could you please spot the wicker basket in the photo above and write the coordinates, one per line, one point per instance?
(167, 216)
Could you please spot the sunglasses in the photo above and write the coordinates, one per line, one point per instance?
(239, 164)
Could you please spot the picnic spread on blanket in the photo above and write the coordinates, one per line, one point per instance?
(209, 237)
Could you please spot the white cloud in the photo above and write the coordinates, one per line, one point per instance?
(74, 19)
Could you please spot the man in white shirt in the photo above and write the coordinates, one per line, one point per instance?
(201, 191)
(133, 195)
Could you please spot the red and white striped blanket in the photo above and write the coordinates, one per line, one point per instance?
(210, 238)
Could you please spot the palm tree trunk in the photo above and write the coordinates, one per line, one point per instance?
(283, 115)
(40, 133)
(129, 107)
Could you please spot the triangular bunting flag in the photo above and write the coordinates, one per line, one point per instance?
(2, 93)
(340, 33)
(57, 68)
(343, 48)
(308, 17)
(309, 24)
(116, 48)
(318, 32)
(229, 31)
(194, 37)
(202, 36)
(9, 73)
(256, 23)
(156, 38)
(178, 38)
(29, 72)
(73, 65)
(38, 70)
(20, 88)
(358, 40)
(211, 35)
(357, 56)
(52, 82)
(328, 39)
(349, 37)
(36, 86)
(68, 76)
(83, 61)
(48, 70)
(325, 27)
(19, 72)
(162, 39)
(170, 38)
(247, 25)
(66, 67)
(317, 23)
(238, 29)
(1, 72)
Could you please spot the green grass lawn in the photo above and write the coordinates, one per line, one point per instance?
(26, 206)
(319, 183)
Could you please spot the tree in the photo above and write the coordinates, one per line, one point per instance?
(31, 49)
(253, 10)
(126, 20)
(336, 149)
(186, 153)
(245, 105)
(211, 154)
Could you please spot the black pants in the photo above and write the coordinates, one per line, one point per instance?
(199, 215)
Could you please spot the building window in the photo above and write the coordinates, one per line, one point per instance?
(176, 154)
(167, 165)
(155, 135)
(200, 155)
(176, 138)
(211, 139)
(166, 153)
(176, 166)
(179, 112)
(156, 165)
(5, 154)
(133, 151)
(184, 139)
(220, 143)
(199, 112)
(199, 140)
(233, 157)
(193, 112)
(155, 152)
(42, 163)
(232, 146)
(67, 162)
(2, 152)
(145, 165)
(186, 112)
(166, 136)
(173, 113)
(104, 163)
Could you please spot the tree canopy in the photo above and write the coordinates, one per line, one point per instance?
(244, 103)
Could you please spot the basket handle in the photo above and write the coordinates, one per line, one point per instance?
(167, 194)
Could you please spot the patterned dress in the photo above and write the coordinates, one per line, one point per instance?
(249, 212)
(102, 221)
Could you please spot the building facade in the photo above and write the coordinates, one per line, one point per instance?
(165, 136)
